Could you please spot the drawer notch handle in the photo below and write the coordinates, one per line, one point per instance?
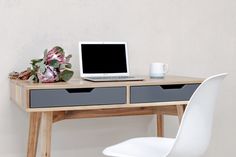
(79, 90)
(175, 86)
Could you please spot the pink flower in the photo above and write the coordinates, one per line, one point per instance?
(56, 53)
(50, 75)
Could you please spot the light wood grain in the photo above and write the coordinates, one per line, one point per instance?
(98, 107)
(18, 94)
(59, 115)
(180, 112)
(79, 83)
(34, 125)
(46, 131)
(160, 124)
(77, 114)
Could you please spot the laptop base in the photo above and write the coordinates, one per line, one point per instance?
(113, 79)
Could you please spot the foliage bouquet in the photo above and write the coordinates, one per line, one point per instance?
(53, 67)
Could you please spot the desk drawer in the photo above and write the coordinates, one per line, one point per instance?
(148, 94)
(40, 98)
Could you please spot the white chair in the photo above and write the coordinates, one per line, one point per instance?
(194, 133)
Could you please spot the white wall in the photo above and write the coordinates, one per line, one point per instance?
(197, 38)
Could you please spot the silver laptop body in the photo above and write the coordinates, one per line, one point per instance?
(104, 61)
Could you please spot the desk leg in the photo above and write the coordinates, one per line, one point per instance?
(160, 125)
(46, 126)
(180, 112)
(34, 125)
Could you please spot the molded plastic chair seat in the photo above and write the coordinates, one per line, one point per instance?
(141, 147)
(194, 133)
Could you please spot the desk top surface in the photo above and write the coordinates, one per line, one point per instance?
(79, 83)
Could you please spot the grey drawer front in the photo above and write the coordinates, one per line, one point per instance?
(148, 94)
(76, 97)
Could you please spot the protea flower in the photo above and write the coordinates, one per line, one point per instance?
(57, 53)
(50, 75)
(53, 67)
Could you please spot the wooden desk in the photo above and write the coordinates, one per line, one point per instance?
(50, 103)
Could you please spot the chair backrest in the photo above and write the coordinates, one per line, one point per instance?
(194, 133)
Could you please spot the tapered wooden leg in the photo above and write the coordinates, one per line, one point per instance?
(180, 112)
(46, 131)
(34, 125)
(160, 125)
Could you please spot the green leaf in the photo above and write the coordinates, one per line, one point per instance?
(62, 67)
(68, 58)
(35, 61)
(68, 65)
(33, 72)
(35, 68)
(36, 80)
(66, 75)
(54, 64)
(65, 66)
(41, 66)
(32, 77)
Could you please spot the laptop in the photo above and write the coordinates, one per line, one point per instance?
(104, 61)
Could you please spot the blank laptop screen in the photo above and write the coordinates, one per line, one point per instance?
(104, 58)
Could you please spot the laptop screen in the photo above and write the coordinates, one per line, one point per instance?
(103, 58)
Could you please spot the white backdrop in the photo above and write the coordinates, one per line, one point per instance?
(196, 38)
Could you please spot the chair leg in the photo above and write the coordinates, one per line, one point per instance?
(160, 125)
(180, 111)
